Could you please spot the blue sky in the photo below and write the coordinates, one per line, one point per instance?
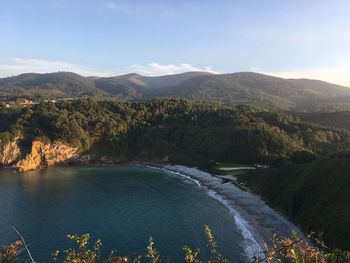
(309, 38)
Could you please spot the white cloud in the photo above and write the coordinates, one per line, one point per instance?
(337, 75)
(156, 69)
(18, 66)
(15, 66)
(124, 8)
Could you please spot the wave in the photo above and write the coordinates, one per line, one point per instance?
(250, 246)
(256, 221)
(185, 176)
(172, 172)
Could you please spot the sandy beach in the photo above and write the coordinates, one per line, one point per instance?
(254, 218)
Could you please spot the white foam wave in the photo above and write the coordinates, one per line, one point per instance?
(251, 246)
(189, 178)
(256, 221)
(185, 176)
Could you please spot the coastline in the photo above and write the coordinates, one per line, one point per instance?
(257, 222)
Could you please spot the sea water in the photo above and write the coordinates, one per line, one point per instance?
(121, 205)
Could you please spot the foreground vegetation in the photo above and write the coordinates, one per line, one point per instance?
(293, 249)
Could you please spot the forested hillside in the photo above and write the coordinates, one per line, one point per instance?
(314, 194)
(135, 86)
(245, 88)
(51, 85)
(172, 130)
(261, 90)
(338, 119)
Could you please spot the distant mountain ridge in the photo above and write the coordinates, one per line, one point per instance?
(236, 88)
(59, 84)
(257, 89)
(135, 86)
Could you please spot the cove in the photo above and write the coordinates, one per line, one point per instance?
(122, 205)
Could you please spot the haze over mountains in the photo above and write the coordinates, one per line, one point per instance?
(236, 88)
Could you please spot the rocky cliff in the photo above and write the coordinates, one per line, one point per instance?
(44, 155)
(9, 152)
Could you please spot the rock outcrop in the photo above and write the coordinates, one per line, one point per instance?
(44, 155)
(9, 152)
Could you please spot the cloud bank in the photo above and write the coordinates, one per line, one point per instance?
(338, 75)
(18, 66)
(156, 69)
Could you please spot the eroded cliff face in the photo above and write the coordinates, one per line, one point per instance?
(9, 152)
(44, 155)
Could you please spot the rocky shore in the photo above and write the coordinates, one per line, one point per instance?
(40, 155)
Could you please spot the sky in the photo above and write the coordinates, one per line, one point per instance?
(286, 38)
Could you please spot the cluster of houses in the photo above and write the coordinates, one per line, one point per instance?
(24, 102)
(18, 102)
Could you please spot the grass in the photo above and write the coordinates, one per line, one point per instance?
(231, 168)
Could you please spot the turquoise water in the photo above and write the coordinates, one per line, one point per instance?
(122, 205)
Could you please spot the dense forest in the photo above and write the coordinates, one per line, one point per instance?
(171, 130)
(313, 193)
(337, 119)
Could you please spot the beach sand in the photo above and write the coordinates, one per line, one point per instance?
(255, 219)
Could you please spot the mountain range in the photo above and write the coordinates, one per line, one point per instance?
(237, 88)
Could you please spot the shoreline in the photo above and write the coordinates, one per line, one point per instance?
(257, 222)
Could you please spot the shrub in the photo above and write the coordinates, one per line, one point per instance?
(293, 250)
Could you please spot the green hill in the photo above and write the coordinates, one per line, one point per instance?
(315, 195)
(179, 131)
(260, 90)
(338, 119)
(54, 85)
(245, 88)
(126, 86)
(135, 86)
